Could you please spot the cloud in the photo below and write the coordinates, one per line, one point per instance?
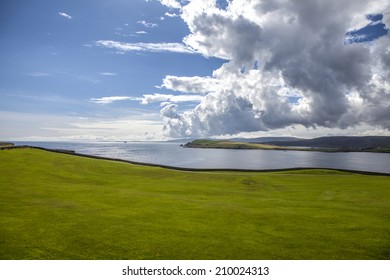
(50, 127)
(171, 15)
(243, 103)
(194, 84)
(149, 98)
(39, 74)
(148, 24)
(171, 4)
(141, 32)
(287, 66)
(65, 15)
(158, 97)
(110, 99)
(107, 74)
(145, 47)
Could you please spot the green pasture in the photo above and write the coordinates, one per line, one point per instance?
(57, 206)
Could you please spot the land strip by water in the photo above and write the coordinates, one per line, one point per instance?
(225, 144)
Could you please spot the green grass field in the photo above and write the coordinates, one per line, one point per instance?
(57, 206)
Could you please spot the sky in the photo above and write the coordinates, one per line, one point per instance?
(120, 70)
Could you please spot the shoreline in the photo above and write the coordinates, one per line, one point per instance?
(73, 153)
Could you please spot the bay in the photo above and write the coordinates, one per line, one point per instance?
(172, 154)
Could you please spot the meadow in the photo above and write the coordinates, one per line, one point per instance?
(59, 206)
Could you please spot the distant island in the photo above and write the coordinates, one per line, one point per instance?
(378, 144)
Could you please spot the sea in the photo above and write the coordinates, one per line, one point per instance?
(173, 154)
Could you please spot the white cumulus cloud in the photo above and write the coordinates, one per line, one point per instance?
(171, 14)
(158, 97)
(171, 4)
(194, 84)
(65, 15)
(287, 66)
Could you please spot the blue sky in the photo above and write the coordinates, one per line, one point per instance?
(103, 70)
(51, 66)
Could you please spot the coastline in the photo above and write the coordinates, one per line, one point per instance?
(73, 153)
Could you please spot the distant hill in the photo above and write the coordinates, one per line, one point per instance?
(379, 144)
(340, 142)
(265, 139)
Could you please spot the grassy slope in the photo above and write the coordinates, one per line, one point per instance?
(56, 206)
